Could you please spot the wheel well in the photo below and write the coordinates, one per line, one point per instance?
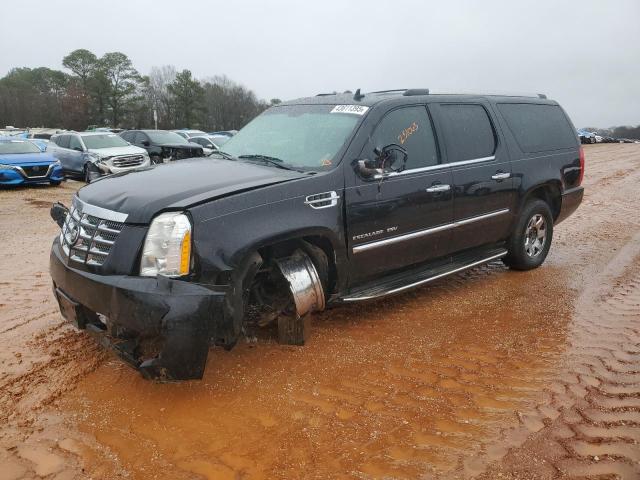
(308, 244)
(549, 193)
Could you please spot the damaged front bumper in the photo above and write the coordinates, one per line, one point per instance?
(160, 326)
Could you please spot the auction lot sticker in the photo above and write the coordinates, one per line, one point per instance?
(355, 109)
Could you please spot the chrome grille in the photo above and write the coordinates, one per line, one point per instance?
(124, 161)
(88, 239)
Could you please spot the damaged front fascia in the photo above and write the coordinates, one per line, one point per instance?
(182, 315)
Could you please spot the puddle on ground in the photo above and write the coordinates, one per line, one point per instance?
(39, 203)
(412, 385)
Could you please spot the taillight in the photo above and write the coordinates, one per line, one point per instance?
(581, 166)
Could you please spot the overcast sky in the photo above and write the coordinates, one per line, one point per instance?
(585, 54)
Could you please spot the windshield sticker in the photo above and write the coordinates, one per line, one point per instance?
(407, 132)
(326, 162)
(355, 109)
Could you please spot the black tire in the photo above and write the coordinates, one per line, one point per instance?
(86, 174)
(531, 239)
(90, 173)
(155, 159)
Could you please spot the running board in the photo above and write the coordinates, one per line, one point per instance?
(406, 281)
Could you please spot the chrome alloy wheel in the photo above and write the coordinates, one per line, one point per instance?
(535, 235)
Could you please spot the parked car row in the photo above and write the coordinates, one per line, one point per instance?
(592, 137)
(89, 155)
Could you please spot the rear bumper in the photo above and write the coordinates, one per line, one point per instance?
(571, 200)
(175, 318)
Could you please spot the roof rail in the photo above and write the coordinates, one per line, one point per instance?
(416, 91)
(489, 94)
(542, 95)
(391, 91)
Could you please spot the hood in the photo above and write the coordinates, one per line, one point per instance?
(143, 193)
(26, 158)
(113, 151)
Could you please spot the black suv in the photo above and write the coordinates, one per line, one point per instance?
(322, 200)
(162, 146)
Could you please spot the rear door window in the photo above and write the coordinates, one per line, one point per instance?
(469, 132)
(538, 128)
(63, 141)
(127, 136)
(139, 138)
(74, 143)
(409, 127)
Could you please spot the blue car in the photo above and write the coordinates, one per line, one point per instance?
(22, 163)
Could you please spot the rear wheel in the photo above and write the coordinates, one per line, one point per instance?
(530, 241)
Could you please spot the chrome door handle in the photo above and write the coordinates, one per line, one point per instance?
(501, 176)
(439, 188)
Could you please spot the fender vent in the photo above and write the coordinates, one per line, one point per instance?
(322, 200)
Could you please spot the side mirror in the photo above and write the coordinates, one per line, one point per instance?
(59, 213)
(145, 143)
(389, 159)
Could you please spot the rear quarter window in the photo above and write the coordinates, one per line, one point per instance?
(538, 128)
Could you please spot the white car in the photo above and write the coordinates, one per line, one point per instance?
(89, 155)
(208, 143)
(189, 133)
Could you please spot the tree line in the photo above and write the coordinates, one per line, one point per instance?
(109, 91)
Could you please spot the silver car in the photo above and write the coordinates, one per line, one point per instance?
(89, 155)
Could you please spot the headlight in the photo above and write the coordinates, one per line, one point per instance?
(167, 247)
(56, 164)
(94, 157)
(6, 167)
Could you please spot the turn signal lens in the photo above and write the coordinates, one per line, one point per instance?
(185, 254)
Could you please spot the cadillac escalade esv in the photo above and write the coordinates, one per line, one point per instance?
(317, 201)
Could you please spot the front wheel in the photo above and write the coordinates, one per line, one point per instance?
(530, 241)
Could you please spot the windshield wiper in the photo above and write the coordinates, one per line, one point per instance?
(224, 155)
(276, 162)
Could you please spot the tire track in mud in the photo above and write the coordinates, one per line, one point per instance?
(589, 423)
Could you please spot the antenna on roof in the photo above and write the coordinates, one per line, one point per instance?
(358, 95)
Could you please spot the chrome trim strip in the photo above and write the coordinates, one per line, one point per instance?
(99, 212)
(440, 166)
(420, 233)
(427, 280)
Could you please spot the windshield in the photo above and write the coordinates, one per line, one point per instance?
(162, 138)
(219, 140)
(103, 141)
(194, 133)
(18, 147)
(301, 136)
